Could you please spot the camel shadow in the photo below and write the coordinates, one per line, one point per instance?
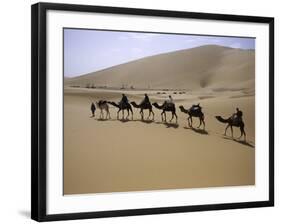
(249, 144)
(169, 125)
(146, 121)
(104, 119)
(197, 130)
(124, 120)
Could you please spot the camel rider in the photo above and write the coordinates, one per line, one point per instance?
(124, 99)
(170, 100)
(196, 107)
(238, 115)
(145, 100)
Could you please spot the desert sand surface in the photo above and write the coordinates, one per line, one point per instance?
(111, 155)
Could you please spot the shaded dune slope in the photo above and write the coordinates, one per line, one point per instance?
(209, 66)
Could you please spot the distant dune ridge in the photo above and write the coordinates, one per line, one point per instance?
(209, 66)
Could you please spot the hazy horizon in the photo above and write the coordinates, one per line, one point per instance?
(87, 51)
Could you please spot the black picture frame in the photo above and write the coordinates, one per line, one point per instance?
(39, 123)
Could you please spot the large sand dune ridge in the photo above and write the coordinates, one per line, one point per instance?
(209, 66)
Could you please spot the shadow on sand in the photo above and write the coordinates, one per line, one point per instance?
(197, 130)
(249, 144)
(104, 119)
(136, 120)
(124, 120)
(146, 121)
(168, 125)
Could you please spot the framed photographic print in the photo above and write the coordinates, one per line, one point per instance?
(140, 111)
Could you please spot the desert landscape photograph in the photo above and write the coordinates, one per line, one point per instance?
(157, 111)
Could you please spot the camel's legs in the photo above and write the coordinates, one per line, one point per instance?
(242, 133)
(109, 115)
(152, 114)
(200, 122)
(165, 118)
(231, 131)
(129, 109)
(203, 122)
(141, 113)
(128, 113)
(101, 114)
(172, 117)
(226, 129)
(118, 113)
(188, 119)
(162, 115)
(148, 115)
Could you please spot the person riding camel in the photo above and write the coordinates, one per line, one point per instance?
(124, 99)
(238, 115)
(196, 107)
(145, 100)
(170, 100)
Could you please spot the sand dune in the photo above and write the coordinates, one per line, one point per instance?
(133, 155)
(209, 66)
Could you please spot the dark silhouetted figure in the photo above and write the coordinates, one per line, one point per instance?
(146, 100)
(167, 107)
(194, 111)
(93, 109)
(237, 117)
(170, 100)
(234, 121)
(196, 107)
(124, 99)
(144, 105)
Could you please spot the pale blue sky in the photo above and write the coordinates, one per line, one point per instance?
(92, 50)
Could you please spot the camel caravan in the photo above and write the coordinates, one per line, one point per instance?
(235, 120)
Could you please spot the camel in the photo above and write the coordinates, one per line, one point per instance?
(144, 106)
(193, 113)
(167, 107)
(233, 122)
(123, 106)
(102, 105)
